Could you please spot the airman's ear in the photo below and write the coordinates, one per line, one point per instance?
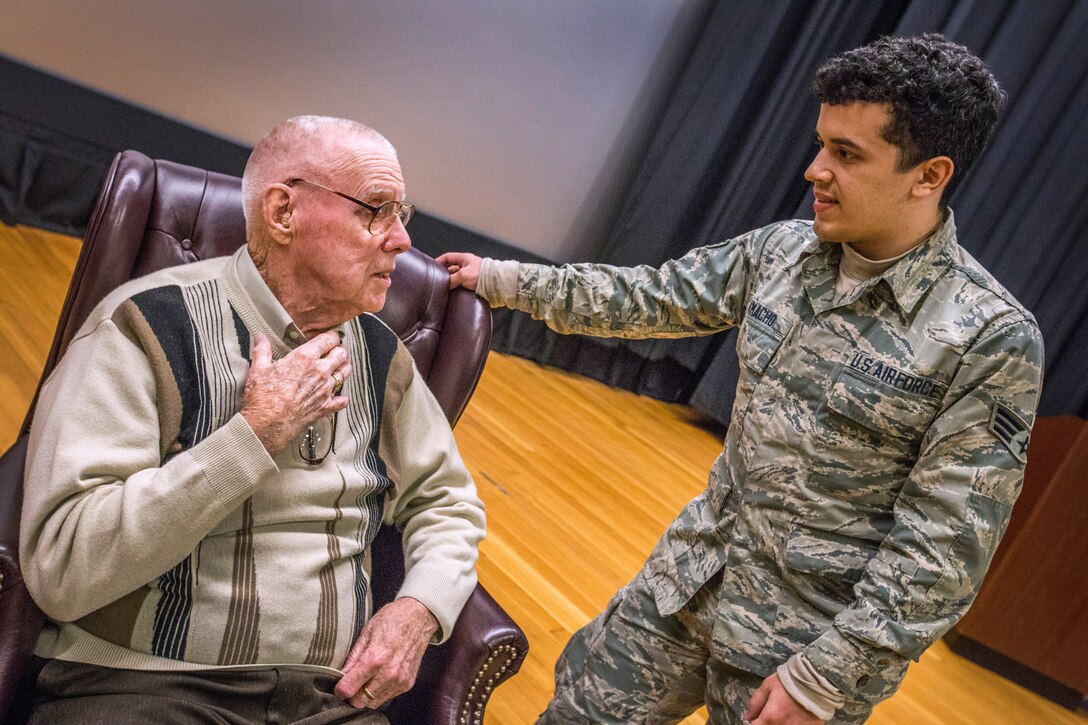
(932, 176)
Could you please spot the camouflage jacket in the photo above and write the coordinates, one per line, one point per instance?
(876, 446)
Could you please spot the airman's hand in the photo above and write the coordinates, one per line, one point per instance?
(464, 269)
(772, 705)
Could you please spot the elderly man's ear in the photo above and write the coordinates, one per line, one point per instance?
(278, 205)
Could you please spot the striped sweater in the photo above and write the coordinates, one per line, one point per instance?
(158, 533)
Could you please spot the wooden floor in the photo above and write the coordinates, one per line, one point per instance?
(35, 268)
(579, 481)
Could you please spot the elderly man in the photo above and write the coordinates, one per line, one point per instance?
(887, 386)
(214, 455)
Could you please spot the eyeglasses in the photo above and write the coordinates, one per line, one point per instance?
(381, 217)
(318, 440)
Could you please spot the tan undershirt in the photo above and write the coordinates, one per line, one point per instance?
(855, 269)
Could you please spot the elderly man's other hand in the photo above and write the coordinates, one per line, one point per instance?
(284, 396)
(464, 268)
(772, 705)
(385, 659)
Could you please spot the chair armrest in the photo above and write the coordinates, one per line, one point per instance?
(20, 618)
(456, 678)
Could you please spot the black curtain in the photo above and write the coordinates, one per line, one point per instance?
(735, 137)
(57, 140)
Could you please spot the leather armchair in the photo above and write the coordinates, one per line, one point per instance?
(153, 214)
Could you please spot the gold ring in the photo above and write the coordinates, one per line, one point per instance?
(368, 693)
(337, 382)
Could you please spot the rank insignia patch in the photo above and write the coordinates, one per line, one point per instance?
(1011, 430)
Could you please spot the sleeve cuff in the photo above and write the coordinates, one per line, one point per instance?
(233, 460)
(498, 283)
(845, 664)
(445, 598)
(809, 688)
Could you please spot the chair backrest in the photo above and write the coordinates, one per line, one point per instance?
(154, 214)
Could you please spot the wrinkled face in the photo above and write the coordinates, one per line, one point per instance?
(342, 265)
(860, 197)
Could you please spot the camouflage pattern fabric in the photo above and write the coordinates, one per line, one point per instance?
(876, 446)
(633, 665)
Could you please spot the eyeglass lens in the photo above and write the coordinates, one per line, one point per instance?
(387, 211)
(316, 441)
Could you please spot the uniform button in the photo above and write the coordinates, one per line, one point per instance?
(293, 334)
(186, 243)
(863, 680)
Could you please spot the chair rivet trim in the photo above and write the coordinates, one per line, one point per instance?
(487, 679)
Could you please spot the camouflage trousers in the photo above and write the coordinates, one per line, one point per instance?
(632, 665)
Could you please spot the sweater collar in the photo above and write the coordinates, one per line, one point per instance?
(268, 307)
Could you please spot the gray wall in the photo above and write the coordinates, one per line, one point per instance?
(520, 119)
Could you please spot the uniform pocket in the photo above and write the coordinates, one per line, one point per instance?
(862, 413)
(757, 345)
(822, 567)
(685, 556)
(819, 572)
(974, 547)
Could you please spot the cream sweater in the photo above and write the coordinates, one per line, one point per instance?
(157, 532)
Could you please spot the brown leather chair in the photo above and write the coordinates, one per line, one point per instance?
(154, 214)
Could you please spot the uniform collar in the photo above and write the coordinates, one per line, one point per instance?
(912, 276)
(908, 279)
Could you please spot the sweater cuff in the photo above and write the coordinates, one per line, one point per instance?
(498, 283)
(234, 460)
(809, 688)
(443, 596)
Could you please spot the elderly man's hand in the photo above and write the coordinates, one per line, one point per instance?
(464, 269)
(284, 396)
(772, 705)
(385, 659)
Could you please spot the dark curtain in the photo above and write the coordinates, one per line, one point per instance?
(47, 179)
(735, 137)
(57, 140)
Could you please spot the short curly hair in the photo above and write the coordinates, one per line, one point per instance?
(944, 100)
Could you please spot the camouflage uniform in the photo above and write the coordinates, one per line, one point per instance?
(876, 447)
